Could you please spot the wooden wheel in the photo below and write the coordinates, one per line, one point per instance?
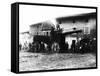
(55, 47)
(36, 46)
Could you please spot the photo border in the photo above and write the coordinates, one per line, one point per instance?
(15, 36)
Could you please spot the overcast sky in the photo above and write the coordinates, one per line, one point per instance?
(29, 14)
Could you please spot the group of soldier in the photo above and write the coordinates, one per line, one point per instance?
(83, 46)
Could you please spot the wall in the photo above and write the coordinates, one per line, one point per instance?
(69, 25)
(42, 29)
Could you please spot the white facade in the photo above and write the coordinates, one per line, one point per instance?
(85, 26)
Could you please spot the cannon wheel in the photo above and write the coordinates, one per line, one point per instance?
(55, 47)
(36, 46)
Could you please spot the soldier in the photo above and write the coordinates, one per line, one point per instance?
(35, 46)
(30, 47)
(67, 45)
(58, 27)
(42, 46)
(52, 33)
(73, 46)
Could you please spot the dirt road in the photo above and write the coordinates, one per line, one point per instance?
(37, 61)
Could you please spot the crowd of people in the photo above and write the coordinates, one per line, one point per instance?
(85, 45)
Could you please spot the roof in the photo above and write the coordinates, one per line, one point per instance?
(78, 17)
(36, 25)
(45, 25)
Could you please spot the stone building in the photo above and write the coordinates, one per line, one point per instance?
(42, 28)
(85, 22)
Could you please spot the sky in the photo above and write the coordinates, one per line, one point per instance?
(31, 14)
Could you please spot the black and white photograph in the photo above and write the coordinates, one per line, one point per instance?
(57, 37)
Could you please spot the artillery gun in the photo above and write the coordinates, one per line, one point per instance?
(55, 42)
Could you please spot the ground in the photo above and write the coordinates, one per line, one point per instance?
(38, 61)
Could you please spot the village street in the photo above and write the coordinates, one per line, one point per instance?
(37, 61)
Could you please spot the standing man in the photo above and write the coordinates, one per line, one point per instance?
(73, 45)
(58, 27)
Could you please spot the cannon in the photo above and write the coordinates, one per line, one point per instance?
(54, 43)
